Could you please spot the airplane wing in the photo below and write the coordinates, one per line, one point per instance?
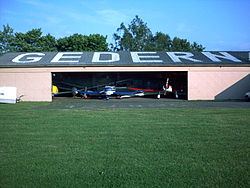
(126, 92)
(61, 93)
(149, 90)
(158, 93)
(90, 92)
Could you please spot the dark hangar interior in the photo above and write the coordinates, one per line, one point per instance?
(143, 80)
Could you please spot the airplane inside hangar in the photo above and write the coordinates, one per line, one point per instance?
(149, 82)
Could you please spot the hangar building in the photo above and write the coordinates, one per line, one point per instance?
(201, 75)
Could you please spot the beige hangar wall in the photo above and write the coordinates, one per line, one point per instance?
(35, 85)
(209, 83)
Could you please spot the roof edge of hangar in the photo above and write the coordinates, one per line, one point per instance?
(127, 59)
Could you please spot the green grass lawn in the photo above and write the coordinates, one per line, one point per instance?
(123, 147)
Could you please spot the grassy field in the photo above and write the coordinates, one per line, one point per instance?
(123, 147)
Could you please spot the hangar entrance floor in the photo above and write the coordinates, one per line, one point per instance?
(139, 103)
(96, 81)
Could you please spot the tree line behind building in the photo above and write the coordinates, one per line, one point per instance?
(135, 37)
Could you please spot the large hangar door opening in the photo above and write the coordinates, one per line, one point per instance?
(96, 81)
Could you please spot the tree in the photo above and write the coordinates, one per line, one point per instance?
(33, 41)
(138, 37)
(161, 42)
(78, 42)
(180, 45)
(197, 47)
(97, 42)
(6, 37)
(183, 45)
(74, 42)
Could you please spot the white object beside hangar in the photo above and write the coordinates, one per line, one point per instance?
(210, 75)
(8, 95)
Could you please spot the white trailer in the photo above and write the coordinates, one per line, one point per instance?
(8, 94)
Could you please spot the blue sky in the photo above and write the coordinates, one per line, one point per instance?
(222, 25)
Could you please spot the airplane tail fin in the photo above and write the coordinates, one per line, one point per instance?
(167, 87)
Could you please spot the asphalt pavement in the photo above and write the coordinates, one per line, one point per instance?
(140, 103)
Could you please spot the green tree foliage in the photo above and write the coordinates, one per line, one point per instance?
(161, 42)
(97, 42)
(183, 45)
(180, 45)
(34, 41)
(6, 38)
(138, 37)
(78, 42)
(197, 47)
